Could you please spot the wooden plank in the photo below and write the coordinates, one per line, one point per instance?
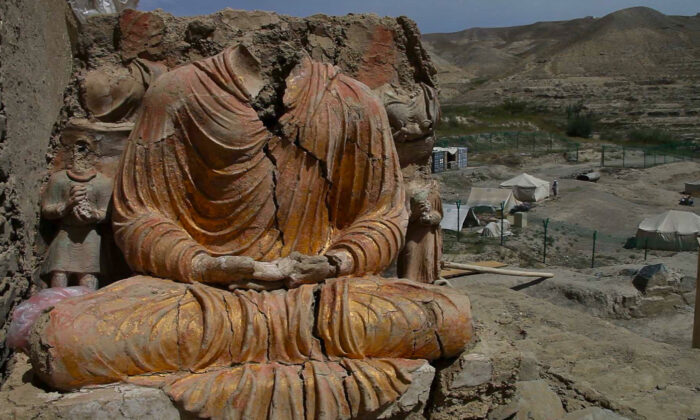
(502, 271)
(449, 273)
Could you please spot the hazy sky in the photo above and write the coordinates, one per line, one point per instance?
(434, 15)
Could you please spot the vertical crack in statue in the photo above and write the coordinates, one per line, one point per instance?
(77, 199)
(225, 317)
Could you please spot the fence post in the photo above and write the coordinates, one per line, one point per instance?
(623, 156)
(577, 153)
(544, 253)
(644, 163)
(503, 216)
(646, 248)
(595, 235)
(602, 156)
(459, 227)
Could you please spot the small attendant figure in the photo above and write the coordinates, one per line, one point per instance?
(77, 199)
(420, 259)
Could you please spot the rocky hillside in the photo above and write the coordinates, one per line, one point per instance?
(633, 66)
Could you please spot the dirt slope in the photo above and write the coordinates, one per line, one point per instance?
(589, 359)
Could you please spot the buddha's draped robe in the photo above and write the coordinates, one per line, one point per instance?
(202, 174)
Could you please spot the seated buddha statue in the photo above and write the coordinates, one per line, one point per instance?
(258, 251)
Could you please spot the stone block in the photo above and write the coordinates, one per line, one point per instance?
(476, 369)
(654, 305)
(481, 379)
(115, 402)
(415, 398)
(21, 398)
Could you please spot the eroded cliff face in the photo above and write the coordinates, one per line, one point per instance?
(118, 53)
(35, 67)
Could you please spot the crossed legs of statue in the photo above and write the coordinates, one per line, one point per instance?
(342, 348)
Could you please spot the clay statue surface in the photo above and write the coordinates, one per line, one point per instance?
(259, 248)
(420, 258)
(413, 117)
(77, 200)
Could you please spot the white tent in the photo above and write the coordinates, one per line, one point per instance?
(527, 187)
(490, 199)
(672, 231)
(449, 216)
(693, 188)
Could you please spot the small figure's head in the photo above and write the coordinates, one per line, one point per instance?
(83, 154)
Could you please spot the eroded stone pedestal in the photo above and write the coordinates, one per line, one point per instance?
(22, 397)
(491, 380)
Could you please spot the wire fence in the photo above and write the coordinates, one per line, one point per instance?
(601, 245)
(638, 157)
(513, 141)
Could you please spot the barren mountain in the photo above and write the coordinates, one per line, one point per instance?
(635, 65)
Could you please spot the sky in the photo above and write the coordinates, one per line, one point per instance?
(434, 15)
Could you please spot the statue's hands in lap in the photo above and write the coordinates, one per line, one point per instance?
(245, 273)
(306, 269)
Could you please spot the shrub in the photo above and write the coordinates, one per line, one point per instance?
(650, 136)
(578, 124)
(514, 106)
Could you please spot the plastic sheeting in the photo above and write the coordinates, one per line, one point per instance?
(671, 231)
(493, 229)
(26, 314)
(85, 8)
(527, 188)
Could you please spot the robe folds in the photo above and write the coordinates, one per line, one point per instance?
(202, 174)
